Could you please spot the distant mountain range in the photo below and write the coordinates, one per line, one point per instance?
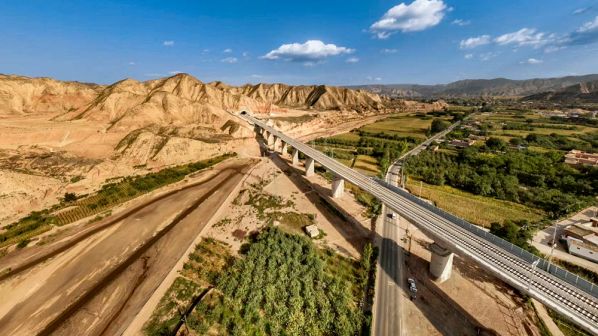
(586, 92)
(479, 87)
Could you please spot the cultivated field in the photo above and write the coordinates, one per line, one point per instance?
(476, 209)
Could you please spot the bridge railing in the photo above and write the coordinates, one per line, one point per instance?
(543, 264)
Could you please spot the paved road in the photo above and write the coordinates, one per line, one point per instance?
(388, 317)
(580, 306)
(416, 150)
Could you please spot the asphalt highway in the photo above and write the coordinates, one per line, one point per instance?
(388, 316)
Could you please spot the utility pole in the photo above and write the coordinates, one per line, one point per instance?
(532, 273)
(402, 178)
(552, 245)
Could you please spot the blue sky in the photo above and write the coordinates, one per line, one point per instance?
(299, 42)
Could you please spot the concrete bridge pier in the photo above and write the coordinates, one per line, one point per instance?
(338, 186)
(283, 150)
(275, 143)
(269, 139)
(309, 166)
(441, 264)
(295, 156)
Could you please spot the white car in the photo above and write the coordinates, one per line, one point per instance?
(412, 286)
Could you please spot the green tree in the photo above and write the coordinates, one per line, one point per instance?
(496, 144)
(439, 125)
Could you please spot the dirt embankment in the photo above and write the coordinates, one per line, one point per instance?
(102, 279)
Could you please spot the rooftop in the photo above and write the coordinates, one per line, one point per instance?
(579, 230)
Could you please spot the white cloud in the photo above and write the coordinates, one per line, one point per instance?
(370, 78)
(581, 10)
(174, 72)
(589, 26)
(526, 37)
(532, 61)
(168, 43)
(256, 76)
(352, 60)
(245, 54)
(553, 48)
(389, 51)
(154, 75)
(460, 22)
(473, 42)
(132, 63)
(229, 60)
(530, 37)
(417, 16)
(311, 51)
(487, 56)
(584, 35)
(227, 50)
(468, 56)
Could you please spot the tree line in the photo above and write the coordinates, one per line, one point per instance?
(540, 180)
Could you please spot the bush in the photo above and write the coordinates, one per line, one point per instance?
(70, 197)
(23, 243)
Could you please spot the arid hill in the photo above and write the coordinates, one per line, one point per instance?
(586, 92)
(22, 95)
(72, 137)
(319, 97)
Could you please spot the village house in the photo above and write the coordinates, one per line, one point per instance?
(582, 239)
(576, 157)
(462, 143)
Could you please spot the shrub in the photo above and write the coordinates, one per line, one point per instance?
(70, 197)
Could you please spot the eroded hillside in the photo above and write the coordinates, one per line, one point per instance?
(72, 137)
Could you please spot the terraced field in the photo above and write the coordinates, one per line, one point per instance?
(410, 125)
(473, 208)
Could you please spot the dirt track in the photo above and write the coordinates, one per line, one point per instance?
(94, 281)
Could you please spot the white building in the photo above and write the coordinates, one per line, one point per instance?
(582, 241)
(583, 250)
